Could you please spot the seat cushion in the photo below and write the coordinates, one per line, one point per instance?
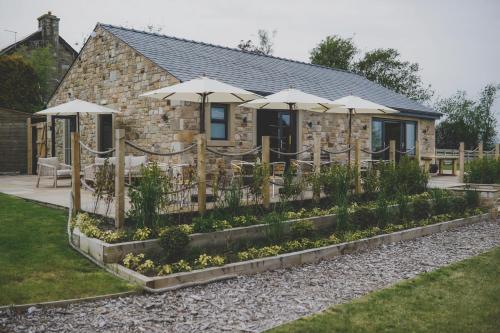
(133, 162)
(54, 161)
(64, 173)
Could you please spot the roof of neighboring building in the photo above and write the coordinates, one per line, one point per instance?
(37, 35)
(264, 74)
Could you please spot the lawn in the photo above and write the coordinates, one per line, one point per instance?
(464, 297)
(36, 262)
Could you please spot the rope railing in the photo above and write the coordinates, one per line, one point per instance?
(375, 151)
(96, 152)
(248, 152)
(290, 154)
(404, 152)
(157, 153)
(342, 151)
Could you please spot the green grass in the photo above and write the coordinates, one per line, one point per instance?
(464, 297)
(36, 262)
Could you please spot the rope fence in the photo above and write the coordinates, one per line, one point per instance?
(158, 153)
(248, 152)
(404, 152)
(96, 152)
(342, 151)
(292, 153)
(375, 151)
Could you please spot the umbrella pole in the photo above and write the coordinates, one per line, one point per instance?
(202, 114)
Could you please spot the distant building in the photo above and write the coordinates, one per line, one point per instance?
(48, 34)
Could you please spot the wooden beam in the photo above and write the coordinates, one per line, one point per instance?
(392, 152)
(75, 171)
(461, 161)
(29, 152)
(266, 199)
(201, 170)
(497, 151)
(317, 162)
(120, 179)
(357, 166)
(480, 150)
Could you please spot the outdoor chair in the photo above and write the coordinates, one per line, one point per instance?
(241, 169)
(133, 166)
(278, 171)
(51, 167)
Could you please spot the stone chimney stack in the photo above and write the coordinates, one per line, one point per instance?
(48, 24)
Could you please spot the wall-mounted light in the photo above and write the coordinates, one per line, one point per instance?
(245, 120)
(310, 124)
(424, 131)
(164, 117)
(365, 127)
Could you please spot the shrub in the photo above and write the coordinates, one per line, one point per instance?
(441, 201)
(132, 261)
(165, 270)
(483, 171)
(243, 220)
(150, 196)
(421, 208)
(472, 198)
(110, 236)
(337, 181)
(370, 183)
(141, 234)
(363, 217)
(403, 207)
(406, 176)
(219, 225)
(292, 187)
(458, 204)
(205, 260)
(181, 266)
(382, 210)
(274, 230)
(174, 241)
(342, 224)
(302, 229)
(104, 185)
(204, 223)
(146, 268)
(233, 197)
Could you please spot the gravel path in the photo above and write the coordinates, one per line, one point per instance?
(254, 303)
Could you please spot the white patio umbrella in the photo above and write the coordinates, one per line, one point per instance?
(202, 90)
(292, 99)
(74, 108)
(355, 105)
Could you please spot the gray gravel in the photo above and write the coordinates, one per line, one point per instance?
(258, 302)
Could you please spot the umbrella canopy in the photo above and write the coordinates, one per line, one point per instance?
(202, 90)
(74, 107)
(356, 105)
(359, 105)
(292, 99)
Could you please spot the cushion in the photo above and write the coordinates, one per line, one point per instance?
(100, 160)
(64, 173)
(132, 162)
(54, 161)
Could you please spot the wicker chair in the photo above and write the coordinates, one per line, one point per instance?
(51, 167)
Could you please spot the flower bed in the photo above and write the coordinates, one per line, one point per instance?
(186, 277)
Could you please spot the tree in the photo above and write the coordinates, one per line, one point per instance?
(265, 43)
(43, 62)
(385, 67)
(467, 120)
(19, 88)
(334, 51)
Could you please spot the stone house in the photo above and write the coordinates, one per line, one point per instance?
(116, 65)
(47, 34)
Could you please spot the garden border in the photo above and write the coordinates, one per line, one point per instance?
(202, 276)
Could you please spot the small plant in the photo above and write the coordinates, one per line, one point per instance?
(370, 183)
(219, 225)
(441, 201)
(342, 224)
(174, 241)
(421, 208)
(150, 196)
(132, 261)
(204, 223)
(142, 234)
(260, 173)
(472, 198)
(292, 187)
(382, 210)
(337, 183)
(458, 204)
(205, 260)
(147, 267)
(403, 206)
(165, 270)
(181, 266)
(233, 197)
(302, 229)
(363, 217)
(274, 230)
(104, 185)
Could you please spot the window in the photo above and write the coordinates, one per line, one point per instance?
(377, 135)
(411, 137)
(219, 122)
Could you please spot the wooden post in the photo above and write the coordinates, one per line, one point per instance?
(266, 200)
(392, 152)
(417, 152)
(120, 178)
(29, 151)
(461, 161)
(480, 150)
(357, 166)
(497, 151)
(317, 161)
(201, 170)
(75, 171)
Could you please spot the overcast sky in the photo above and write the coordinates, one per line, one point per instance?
(456, 43)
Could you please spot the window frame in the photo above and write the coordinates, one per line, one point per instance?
(219, 121)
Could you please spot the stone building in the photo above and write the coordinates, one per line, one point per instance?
(116, 65)
(47, 35)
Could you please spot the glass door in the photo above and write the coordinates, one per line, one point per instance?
(280, 126)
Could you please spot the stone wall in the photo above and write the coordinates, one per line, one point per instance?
(108, 72)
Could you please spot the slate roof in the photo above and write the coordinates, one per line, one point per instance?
(187, 59)
(37, 35)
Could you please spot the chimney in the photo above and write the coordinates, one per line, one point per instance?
(48, 24)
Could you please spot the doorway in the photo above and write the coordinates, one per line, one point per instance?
(105, 137)
(281, 127)
(404, 133)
